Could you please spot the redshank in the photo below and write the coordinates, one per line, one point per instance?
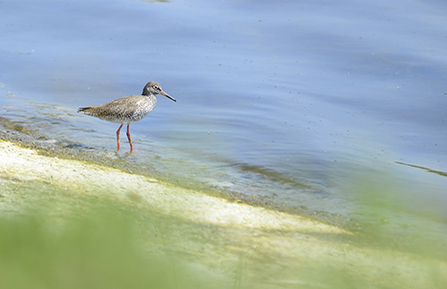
(128, 109)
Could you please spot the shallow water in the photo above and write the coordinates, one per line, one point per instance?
(295, 102)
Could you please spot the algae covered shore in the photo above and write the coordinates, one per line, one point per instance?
(70, 224)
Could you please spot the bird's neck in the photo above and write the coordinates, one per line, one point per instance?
(147, 93)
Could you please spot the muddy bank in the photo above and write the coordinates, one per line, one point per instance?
(284, 249)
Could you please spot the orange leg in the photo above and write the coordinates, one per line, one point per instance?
(128, 137)
(118, 136)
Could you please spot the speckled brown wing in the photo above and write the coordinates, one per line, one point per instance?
(125, 110)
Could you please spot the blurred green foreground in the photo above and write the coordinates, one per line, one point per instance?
(97, 250)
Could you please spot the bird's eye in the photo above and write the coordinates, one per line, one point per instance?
(156, 87)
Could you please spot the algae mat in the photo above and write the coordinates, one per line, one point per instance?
(238, 244)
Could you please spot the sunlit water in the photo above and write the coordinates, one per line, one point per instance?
(294, 102)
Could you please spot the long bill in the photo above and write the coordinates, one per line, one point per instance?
(168, 96)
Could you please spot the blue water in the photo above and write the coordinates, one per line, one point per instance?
(296, 101)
